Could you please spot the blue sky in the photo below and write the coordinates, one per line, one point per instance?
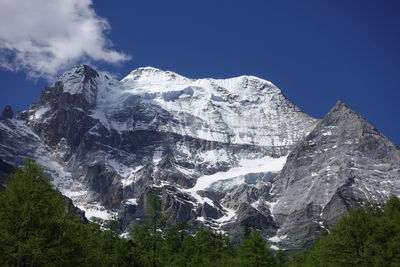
(316, 52)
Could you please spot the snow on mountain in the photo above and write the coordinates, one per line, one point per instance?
(246, 166)
(19, 142)
(151, 80)
(156, 128)
(80, 80)
(240, 110)
(222, 153)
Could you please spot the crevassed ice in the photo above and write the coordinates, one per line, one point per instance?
(265, 164)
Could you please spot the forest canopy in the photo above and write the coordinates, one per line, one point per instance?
(37, 228)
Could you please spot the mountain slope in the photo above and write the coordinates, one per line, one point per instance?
(213, 149)
(344, 162)
(118, 137)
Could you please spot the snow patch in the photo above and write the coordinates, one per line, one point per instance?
(39, 113)
(277, 238)
(214, 156)
(201, 219)
(327, 133)
(271, 206)
(265, 164)
(255, 204)
(227, 184)
(228, 217)
(131, 201)
(95, 210)
(157, 156)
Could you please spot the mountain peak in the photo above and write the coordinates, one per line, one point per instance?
(83, 73)
(340, 105)
(341, 112)
(7, 113)
(80, 80)
(153, 73)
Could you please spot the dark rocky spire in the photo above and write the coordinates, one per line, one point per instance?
(7, 113)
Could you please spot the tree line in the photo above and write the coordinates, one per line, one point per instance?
(38, 229)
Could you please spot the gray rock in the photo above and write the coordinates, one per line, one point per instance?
(109, 145)
(341, 164)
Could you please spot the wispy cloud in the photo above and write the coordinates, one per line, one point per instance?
(42, 37)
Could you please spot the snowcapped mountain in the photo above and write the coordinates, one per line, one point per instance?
(224, 153)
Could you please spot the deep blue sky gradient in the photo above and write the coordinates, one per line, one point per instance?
(316, 52)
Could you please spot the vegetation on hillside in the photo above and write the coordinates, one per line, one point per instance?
(368, 236)
(37, 229)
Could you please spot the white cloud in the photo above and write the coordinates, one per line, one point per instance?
(43, 37)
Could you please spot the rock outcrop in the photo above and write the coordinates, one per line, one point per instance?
(344, 162)
(212, 149)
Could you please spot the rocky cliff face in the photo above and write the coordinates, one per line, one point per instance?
(213, 149)
(344, 162)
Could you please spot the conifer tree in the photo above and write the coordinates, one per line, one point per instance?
(36, 228)
(367, 236)
(148, 236)
(254, 252)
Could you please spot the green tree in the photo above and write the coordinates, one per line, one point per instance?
(209, 248)
(345, 246)
(148, 237)
(36, 228)
(367, 236)
(383, 246)
(173, 250)
(254, 252)
(280, 259)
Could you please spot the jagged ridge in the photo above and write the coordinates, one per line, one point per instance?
(212, 148)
